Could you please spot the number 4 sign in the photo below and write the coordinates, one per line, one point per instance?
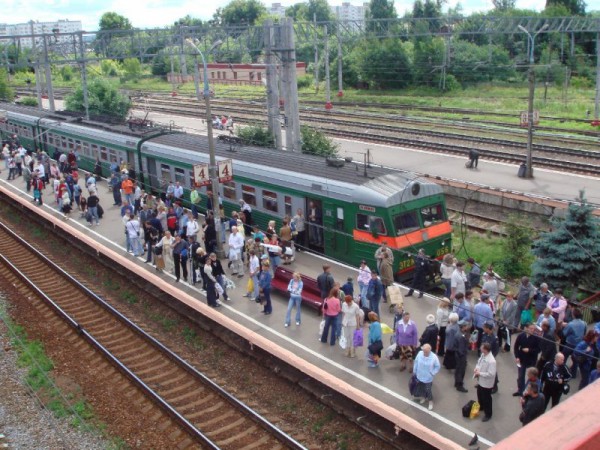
(201, 176)
(225, 168)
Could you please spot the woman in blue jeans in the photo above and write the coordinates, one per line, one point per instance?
(264, 283)
(331, 309)
(295, 290)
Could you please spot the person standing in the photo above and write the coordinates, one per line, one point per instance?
(325, 281)
(380, 252)
(489, 337)
(547, 345)
(461, 348)
(331, 310)
(558, 306)
(180, 249)
(572, 335)
(375, 343)
(526, 354)
(315, 224)
(363, 278)
(452, 331)
(541, 298)
(524, 297)
(264, 283)
(92, 206)
(485, 372)
(295, 289)
(426, 367)
(446, 270)
(430, 334)
(134, 232)
(374, 292)
(406, 338)
(236, 244)
(210, 282)
(115, 185)
(420, 272)
(482, 313)
(442, 316)
(254, 269)
(508, 321)
(350, 323)
(533, 404)
(458, 281)
(474, 276)
(554, 377)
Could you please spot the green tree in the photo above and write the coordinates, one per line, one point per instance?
(298, 12)
(315, 142)
(379, 9)
(189, 21)
(242, 12)
(109, 68)
(384, 64)
(569, 255)
(516, 248)
(132, 68)
(504, 5)
(6, 93)
(256, 135)
(574, 6)
(113, 21)
(104, 99)
(320, 10)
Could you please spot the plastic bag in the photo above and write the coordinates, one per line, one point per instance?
(389, 351)
(343, 342)
(474, 410)
(219, 289)
(526, 317)
(321, 327)
(358, 338)
(250, 285)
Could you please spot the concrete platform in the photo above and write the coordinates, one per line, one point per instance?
(385, 383)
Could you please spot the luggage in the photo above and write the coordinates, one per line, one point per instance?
(100, 211)
(395, 297)
(466, 410)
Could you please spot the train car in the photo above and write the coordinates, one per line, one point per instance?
(358, 207)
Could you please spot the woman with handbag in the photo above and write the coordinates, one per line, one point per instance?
(375, 343)
(331, 310)
(406, 339)
(350, 323)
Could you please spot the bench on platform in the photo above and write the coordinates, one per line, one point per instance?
(311, 295)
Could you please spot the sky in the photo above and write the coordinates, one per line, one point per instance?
(159, 13)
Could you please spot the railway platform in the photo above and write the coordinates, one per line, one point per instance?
(386, 383)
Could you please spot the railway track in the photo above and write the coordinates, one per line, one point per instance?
(194, 411)
(339, 129)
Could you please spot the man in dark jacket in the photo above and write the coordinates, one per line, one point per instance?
(325, 281)
(533, 404)
(180, 257)
(419, 274)
(526, 352)
(461, 347)
(554, 376)
(489, 337)
(547, 347)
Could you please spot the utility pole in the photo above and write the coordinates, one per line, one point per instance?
(293, 99)
(597, 101)
(316, 44)
(36, 66)
(48, 72)
(290, 86)
(197, 86)
(272, 89)
(328, 105)
(83, 69)
(339, 48)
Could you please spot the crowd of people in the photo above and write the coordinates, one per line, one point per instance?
(477, 312)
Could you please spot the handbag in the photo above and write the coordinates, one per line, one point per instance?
(343, 342)
(358, 338)
(157, 251)
(375, 347)
(321, 327)
(412, 384)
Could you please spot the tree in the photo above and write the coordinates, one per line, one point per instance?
(132, 68)
(189, 21)
(384, 64)
(320, 10)
(315, 142)
(569, 255)
(574, 6)
(114, 21)
(103, 98)
(516, 248)
(298, 12)
(6, 93)
(379, 9)
(504, 5)
(242, 12)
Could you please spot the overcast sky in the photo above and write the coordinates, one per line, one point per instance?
(158, 13)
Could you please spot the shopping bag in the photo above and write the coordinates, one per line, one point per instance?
(412, 384)
(321, 327)
(474, 410)
(250, 285)
(343, 342)
(526, 317)
(389, 351)
(358, 338)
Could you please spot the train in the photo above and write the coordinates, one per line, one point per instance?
(360, 205)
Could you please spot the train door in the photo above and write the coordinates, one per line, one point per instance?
(314, 220)
(336, 237)
(132, 163)
(152, 178)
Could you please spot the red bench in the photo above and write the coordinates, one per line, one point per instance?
(311, 295)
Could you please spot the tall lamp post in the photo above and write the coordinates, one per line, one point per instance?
(531, 76)
(211, 146)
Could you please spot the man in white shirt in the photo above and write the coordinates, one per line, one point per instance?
(485, 372)
(236, 244)
(178, 191)
(458, 280)
(192, 227)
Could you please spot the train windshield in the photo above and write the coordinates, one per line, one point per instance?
(432, 214)
(405, 223)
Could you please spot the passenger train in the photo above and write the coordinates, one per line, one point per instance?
(360, 206)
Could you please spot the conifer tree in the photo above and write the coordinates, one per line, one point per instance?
(569, 255)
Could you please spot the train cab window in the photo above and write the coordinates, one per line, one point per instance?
(180, 175)
(229, 190)
(432, 214)
(372, 224)
(270, 201)
(405, 223)
(249, 194)
(287, 200)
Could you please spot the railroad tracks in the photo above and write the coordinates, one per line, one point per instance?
(195, 411)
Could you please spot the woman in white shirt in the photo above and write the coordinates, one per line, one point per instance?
(167, 251)
(446, 269)
(350, 322)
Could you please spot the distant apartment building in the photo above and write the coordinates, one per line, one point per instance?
(57, 28)
(349, 12)
(277, 9)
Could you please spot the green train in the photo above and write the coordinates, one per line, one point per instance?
(360, 207)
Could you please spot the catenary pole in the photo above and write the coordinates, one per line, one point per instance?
(48, 72)
(597, 100)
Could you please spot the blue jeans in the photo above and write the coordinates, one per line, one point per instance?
(448, 284)
(136, 246)
(338, 326)
(94, 213)
(297, 301)
(256, 288)
(362, 289)
(374, 305)
(330, 322)
(268, 307)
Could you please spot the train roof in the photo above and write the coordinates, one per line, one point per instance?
(380, 187)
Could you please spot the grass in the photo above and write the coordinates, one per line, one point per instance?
(129, 297)
(191, 338)
(485, 249)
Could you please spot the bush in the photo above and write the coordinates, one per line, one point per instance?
(315, 142)
(109, 68)
(66, 72)
(28, 101)
(256, 135)
(6, 93)
(516, 249)
(305, 81)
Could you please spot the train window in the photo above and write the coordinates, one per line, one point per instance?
(103, 153)
(63, 143)
(86, 148)
(229, 190)
(432, 214)
(270, 201)
(287, 200)
(373, 224)
(71, 144)
(50, 138)
(94, 151)
(249, 194)
(404, 223)
(180, 175)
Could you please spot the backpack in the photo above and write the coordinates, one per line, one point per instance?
(466, 410)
